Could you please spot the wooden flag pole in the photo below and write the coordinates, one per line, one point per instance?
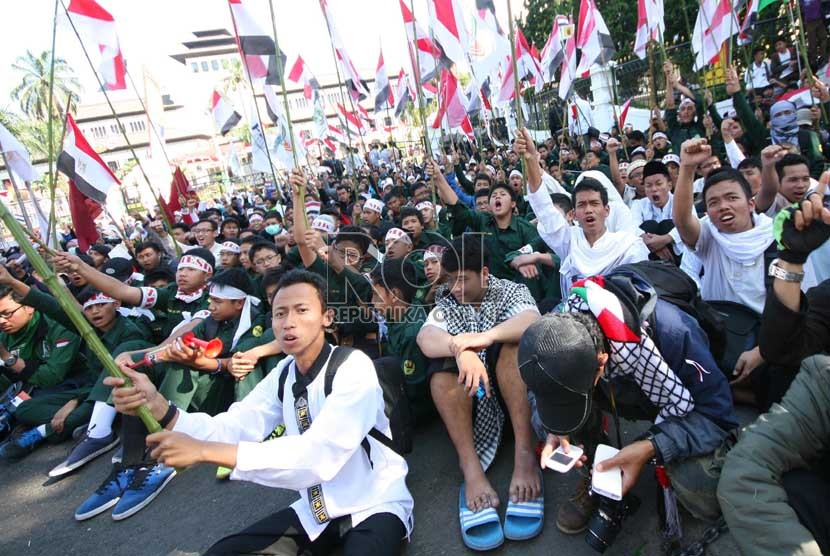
(417, 68)
(121, 127)
(804, 52)
(70, 307)
(286, 107)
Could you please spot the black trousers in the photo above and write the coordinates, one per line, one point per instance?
(809, 494)
(281, 534)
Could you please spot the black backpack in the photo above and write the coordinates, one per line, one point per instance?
(396, 404)
(678, 288)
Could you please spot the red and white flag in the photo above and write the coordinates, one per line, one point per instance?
(257, 48)
(90, 180)
(592, 38)
(527, 63)
(352, 122)
(650, 25)
(404, 94)
(801, 98)
(179, 188)
(224, 116)
(300, 73)
(383, 89)
(716, 23)
(95, 25)
(356, 87)
(422, 49)
(449, 29)
(364, 115)
(453, 105)
(624, 114)
(568, 73)
(553, 52)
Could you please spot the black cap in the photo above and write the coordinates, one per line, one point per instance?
(118, 268)
(558, 362)
(102, 249)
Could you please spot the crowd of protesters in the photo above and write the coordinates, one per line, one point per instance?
(661, 275)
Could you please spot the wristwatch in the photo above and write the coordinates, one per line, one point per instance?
(10, 362)
(782, 274)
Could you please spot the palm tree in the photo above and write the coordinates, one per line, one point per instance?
(33, 91)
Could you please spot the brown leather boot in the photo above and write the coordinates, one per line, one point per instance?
(574, 514)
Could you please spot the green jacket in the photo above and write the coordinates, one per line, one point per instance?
(794, 434)
(51, 352)
(414, 363)
(171, 311)
(498, 242)
(123, 330)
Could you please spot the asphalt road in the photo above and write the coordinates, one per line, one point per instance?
(195, 510)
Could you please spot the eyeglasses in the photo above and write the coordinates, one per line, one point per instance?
(266, 260)
(6, 316)
(198, 231)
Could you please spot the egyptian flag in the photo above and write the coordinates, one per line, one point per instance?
(96, 26)
(300, 73)
(352, 122)
(453, 105)
(568, 72)
(592, 38)
(404, 94)
(90, 179)
(553, 52)
(383, 90)
(715, 24)
(650, 25)
(448, 26)
(528, 63)
(423, 50)
(357, 87)
(257, 48)
(224, 116)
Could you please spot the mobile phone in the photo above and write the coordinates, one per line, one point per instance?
(607, 483)
(562, 462)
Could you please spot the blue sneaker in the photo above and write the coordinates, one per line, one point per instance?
(21, 445)
(147, 483)
(107, 495)
(86, 450)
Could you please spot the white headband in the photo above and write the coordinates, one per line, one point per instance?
(231, 246)
(97, 299)
(196, 263)
(230, 292)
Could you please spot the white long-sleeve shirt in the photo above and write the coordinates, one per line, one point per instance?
(579, 258)
(329, 453)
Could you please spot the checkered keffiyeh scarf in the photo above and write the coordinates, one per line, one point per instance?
(633, 352)
(503, 300)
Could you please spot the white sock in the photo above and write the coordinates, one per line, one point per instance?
(42, 430)
(100, 424)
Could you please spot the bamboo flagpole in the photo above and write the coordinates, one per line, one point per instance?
(519, 122)
(292, 139)
(20, 203)
(417, 67)
(70, 307)
(121, 127)
(53, 175)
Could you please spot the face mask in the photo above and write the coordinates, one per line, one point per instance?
(273, 229)
(783, 127)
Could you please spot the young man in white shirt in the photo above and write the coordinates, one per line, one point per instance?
(350, 494)
(585, 250)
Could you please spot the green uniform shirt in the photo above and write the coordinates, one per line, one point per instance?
(170, 311)
(401, 343)
(51, 352)
(498, 242)
(123, 330)
(225, 331)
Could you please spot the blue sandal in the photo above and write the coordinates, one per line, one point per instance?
(479, 530)
(524, 520)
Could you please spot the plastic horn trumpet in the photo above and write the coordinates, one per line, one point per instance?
(212, 348)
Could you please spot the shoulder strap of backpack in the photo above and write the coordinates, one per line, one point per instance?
(338, 357)
(211, 327)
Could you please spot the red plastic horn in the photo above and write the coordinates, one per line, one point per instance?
(212, 348)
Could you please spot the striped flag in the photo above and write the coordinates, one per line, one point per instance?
(17, 156)
(301, 74)
(624, 114)
(90, 179)
(448, 26)
(404, 94)
(553, 52)
(383, 90)
(593, 38)
(422, 49)
(566, 76)
(257, 48)
(650, 25)
(97, 26)
(715, 24)
(224, 116)
(356, 87)
(352, 122)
